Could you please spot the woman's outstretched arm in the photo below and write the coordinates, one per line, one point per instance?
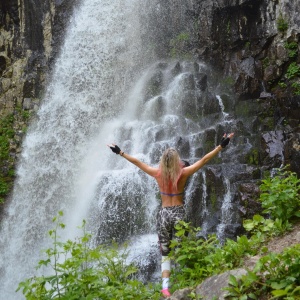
(188, 171)
(144, 167)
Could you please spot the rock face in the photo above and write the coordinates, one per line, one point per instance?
(254, 48)
(30, 36)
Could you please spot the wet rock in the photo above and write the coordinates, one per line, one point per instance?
(201, 81)
(292, 152)
(176, 70)
(265, 95)
(2, 64)
(213, 287)
(248, 195)
(182, 294)
(273, 145)
(154, 85)
(183, 147)
(27, 104)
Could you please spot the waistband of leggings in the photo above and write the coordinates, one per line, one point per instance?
(172, 207)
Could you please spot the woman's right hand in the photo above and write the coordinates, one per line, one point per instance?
(226, 139)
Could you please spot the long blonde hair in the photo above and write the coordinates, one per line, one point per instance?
(170, 168)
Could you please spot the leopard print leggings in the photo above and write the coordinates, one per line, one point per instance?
(167, 218)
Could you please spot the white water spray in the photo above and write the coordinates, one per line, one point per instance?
(62, 161)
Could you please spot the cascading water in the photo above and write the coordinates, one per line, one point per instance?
(102, 92)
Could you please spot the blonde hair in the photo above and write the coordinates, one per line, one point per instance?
(170, 168)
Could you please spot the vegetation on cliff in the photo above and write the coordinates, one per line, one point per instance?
(12, 128)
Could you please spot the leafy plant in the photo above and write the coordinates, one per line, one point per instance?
(198, 258)
(274, 276)
(282, 24)
(296, 87)
(282, 84)
(259, 224)
(82, 272)
(280, 195)
(179, 44)
(190, 255)
(6, 134)
(292, 49)
(293, 70)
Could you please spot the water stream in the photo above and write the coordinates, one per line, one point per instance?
(107, 88)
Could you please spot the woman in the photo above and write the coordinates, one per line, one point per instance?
(171, 176)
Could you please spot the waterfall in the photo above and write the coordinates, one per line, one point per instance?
(106, 87)
(226, 211)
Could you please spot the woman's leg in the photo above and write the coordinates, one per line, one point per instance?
(164, 235)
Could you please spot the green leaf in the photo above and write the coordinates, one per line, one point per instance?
(279, 293)
(278, 285)
(180, 232)
(297, 214)
(182, 257)
(233, 281)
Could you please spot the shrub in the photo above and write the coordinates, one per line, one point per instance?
(276, 275)
(280, 195)
(296, 87)
(6, 133)
(293, 70)
(82, 272)
(292, 49)
(282, 24)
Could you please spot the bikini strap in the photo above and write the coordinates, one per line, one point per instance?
(172, 195)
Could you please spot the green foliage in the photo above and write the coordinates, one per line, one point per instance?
(6, 133)
(280, 195)
(190, 255)
(282, 24)
(296, 88)
(242, 289)
(293, 70)
(252, 157)
(247, 45)
(82, 272)
(259, 224)
(179, 45)
(282, 84)
(198, 258)
(276, 275)
(229, 81)
(266, 62)
(292, 49)
(228, 27)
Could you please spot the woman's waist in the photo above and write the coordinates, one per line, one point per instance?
(172, 205)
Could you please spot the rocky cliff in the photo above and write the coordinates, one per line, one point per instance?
(253, 48)
(30, 35)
